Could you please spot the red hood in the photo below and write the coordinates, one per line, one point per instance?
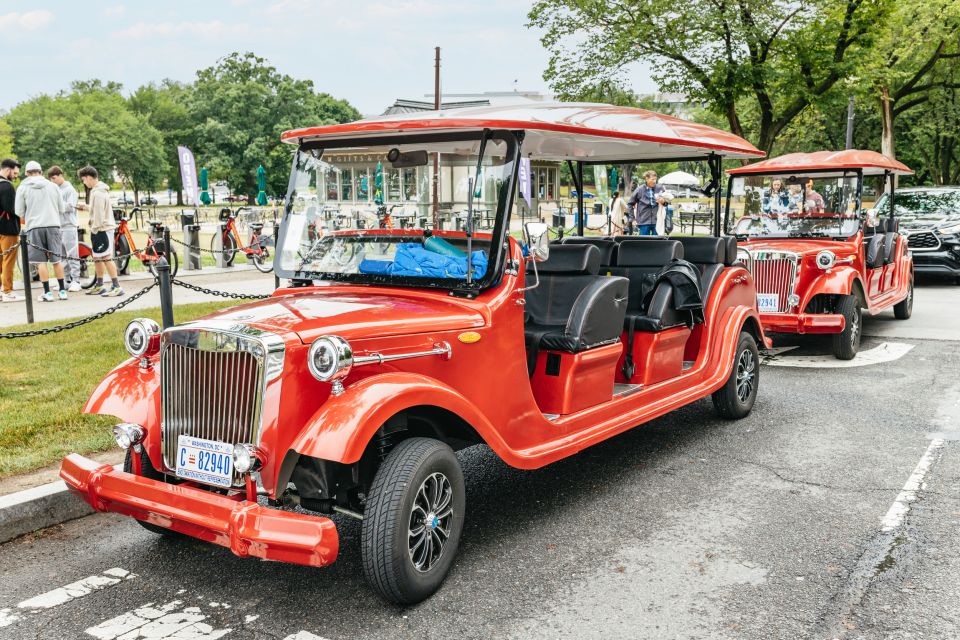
(355, 314)
(805, 246)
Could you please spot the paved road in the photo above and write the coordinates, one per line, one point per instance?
(831, 512)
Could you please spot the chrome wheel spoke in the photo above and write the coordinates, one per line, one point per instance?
(429, 521)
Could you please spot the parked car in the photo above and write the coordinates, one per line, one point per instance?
(236, 197)
(930, 216)
(124, 201)
(819, 262)
(148, 200)
(351, 397)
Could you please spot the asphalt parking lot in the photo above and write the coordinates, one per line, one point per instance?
(831, 512)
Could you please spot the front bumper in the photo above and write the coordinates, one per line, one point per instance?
(246, 528)
(802, 322)
(944, 262)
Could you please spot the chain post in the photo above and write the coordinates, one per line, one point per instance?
(25, 267)
(166, 292)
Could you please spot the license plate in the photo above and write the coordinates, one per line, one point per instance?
(768, 302)
(205, 461)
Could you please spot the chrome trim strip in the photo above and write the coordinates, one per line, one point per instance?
(441, 349)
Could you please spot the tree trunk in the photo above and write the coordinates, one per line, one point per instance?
(136, 196)
(886, 118)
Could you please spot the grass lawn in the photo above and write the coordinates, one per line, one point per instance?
(47, 380)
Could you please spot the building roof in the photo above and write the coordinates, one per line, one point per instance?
(871, 162)
(560, 131)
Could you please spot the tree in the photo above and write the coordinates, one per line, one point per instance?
(89, 125)
(166, 108)
(772, 57)
(241, 106)
(6, 139)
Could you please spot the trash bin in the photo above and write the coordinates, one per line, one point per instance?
(191, 240)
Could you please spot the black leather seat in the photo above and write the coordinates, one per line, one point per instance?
(607, 247)
(891, 229)
(573, 308)
(710, 256)
(873, 251)
(256, 226)
(639, 261)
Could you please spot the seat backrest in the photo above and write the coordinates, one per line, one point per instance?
(606, 246)
(569, 269)
(891, 229)
(874, 250)
(638, 261)
(710, 255)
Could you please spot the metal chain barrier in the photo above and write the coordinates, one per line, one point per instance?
(222, 294)
(219, 251)
(82, 321)
(10, 250)
(68, 258)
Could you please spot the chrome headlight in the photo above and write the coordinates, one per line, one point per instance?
(825, 259)
(330, 358)
(128, 435)
(142, 338)
(246, 458)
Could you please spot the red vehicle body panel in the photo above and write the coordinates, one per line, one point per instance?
(870, 162)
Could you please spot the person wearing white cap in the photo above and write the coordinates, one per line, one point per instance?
(40, 205)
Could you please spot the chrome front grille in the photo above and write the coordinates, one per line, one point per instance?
(923, 241)
(775, 272)
(212, 384)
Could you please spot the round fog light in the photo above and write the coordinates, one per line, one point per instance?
(246, 458)
(128, 435)
(142, 337)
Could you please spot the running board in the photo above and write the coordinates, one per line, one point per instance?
(621, 390)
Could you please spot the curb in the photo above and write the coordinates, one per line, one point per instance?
(40, 507)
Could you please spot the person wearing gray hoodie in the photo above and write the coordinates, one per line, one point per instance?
(40, 205)
(102, 226)
(68, 227)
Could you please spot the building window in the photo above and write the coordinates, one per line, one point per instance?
(346, 185)
(411, 185)
(362, 179)
(393, 185)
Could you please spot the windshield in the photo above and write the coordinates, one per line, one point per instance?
(372, 213)
(934, 205)
(795, 206)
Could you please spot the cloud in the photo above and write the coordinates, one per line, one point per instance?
(115, 11)
(211, 30)
(29, 20)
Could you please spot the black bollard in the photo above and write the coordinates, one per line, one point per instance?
(166, 292)
(25, 267)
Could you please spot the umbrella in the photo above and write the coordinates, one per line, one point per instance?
(378, 184)
(204, 186)
(680, 179)
(261, 186)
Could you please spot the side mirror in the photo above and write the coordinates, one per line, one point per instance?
(870, 218)
(538, 240)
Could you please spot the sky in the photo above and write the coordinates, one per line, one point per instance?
(367, 52)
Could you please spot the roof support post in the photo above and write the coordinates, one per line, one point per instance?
(716, 173)
(581, 214)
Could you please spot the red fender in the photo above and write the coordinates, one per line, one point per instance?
(837, 282)
(342, 427)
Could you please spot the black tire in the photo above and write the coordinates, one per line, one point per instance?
(173, 260)
(88, 271)
(846, 344)
(229, 248)
(735, 399)
(259, 261)
(147, 471)
(391, 517)
(122, 249)
(904, 309)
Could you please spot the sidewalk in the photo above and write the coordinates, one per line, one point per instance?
(239, 279)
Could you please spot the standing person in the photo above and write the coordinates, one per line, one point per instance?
(40, 205)
(68, 227)
(645, 202)
(9, 228)
(619, 212)
(813, 201)
(101, 232)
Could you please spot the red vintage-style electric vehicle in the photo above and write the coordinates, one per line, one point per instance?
(818, 258)
(350, 392)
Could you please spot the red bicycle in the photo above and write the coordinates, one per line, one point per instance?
(124, 246)
(257, 250)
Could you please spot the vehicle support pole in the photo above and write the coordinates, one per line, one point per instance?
(25, 268)
(716, 173)
(581, 214)
(166, 292)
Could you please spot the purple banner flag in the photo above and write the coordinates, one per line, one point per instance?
(188, 176)
(525, 179)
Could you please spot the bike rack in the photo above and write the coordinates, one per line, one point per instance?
(191, 240)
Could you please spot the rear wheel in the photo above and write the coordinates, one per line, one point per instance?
(260, 261)
(413, 520)
(846, 344)
(172, 259)
(229, 248)
(904, 309)
(122, 252)
(147, 471)
(734, 400)
(88, 272)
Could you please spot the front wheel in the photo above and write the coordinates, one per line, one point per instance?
(904, 309)
(121, 252)
(147, 471)
(172, 259)
(413, 520)
(260, 261)
(846, 344)
(734, 400)
(88, 271)
(229, 248)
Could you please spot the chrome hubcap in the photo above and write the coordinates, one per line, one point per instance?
(430, 521)
(854, 327)
(746, 368)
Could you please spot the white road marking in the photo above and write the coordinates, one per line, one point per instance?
(304, 635)
(77, 589)
(7, 617)
(166, 622)
(884, 352)
(901, 506)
